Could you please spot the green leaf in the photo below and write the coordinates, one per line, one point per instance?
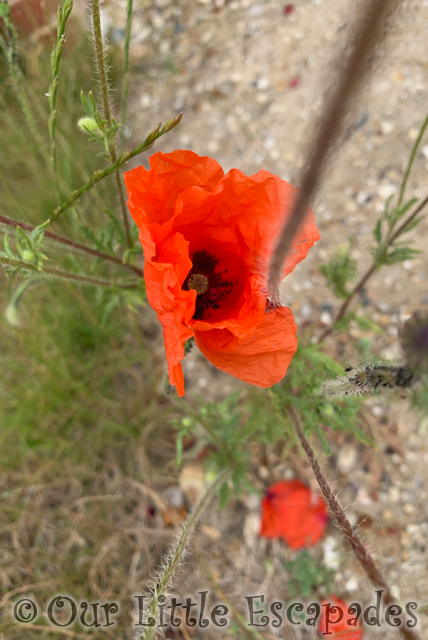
(400, 254)
(4, 10)
(340, 271)
(7, 247)
(377, 232)
(402, 210)
(322, 439)
(414, 223)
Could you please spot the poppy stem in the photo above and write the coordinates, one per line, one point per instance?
(51, 272)
(71, 243)
(64, 11)
(172, 562)
(102, 74)
(124, 101)
(351, 536)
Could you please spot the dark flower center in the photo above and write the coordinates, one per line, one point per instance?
(210, 286)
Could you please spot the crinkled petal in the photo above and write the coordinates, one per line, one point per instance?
(174, 307)
(262, 358)
(153, 193)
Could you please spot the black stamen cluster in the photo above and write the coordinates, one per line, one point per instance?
(217, 290)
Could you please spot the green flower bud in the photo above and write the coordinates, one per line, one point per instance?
(27, 255)
(11, 315)
(88, 125)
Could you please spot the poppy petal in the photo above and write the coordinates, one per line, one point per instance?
(291, 511)
(262, 358)
(340, 630)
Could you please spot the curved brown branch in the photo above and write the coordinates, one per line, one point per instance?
(71, 243)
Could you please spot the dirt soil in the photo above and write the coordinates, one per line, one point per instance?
(249, 77)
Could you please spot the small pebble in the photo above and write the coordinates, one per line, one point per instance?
(262, 83)
(331, 553)
(386, 126)
(347, 458)
(351, 584)
(395, 591)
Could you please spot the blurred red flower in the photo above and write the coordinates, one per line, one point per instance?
(290, 510)
(207, 239)
(294, 82)
(340, 630)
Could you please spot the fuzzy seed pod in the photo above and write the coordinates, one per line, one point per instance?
(371, 378)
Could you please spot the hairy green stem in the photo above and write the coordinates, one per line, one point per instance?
(71, 243)
(175, 557)
(15, 74)
(102, 74)
(129, 15)
(120, 162)
(65, 275)
(410, 163)
(64, 11)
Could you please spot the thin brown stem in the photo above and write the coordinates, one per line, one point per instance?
(351, 536)
(71, 243)
(368, 32)
(65, 275)
(389, 241)
(102, 72)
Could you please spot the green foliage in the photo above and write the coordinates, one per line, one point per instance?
(227, 431)
(386, 252)
(340, 271)
(362, 321)
(97, 127)
(300, 389)
(307, 574)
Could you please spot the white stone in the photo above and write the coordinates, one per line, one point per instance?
(262, 83)
(386, 126)
(331, 553)
(347, 458)
(386, 190)
(351, 584)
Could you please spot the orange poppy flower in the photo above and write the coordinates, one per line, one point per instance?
(207, 239)
(334, 625)
(290, 510)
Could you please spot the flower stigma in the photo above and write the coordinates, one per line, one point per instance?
(198, 282)
(210, 287)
